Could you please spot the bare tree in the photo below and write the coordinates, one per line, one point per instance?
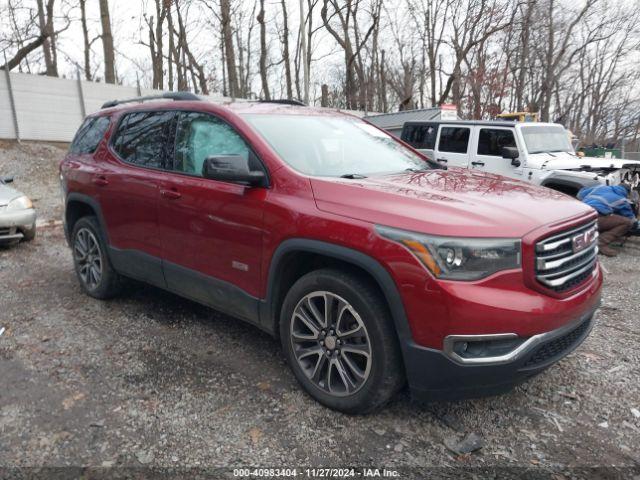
(229, 50)
(22, 53)
(351, 41)
(107, 43)
(286, 58)
(45, 20)
(263, 52)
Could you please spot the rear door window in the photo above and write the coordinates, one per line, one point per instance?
(421, 136)
(142, 138)
(492, 141)
(89, 135)
(454, 139)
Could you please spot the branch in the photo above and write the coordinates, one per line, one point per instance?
(24, 51)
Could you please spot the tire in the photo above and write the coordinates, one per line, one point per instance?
(97, 277)
(356, 366)
(29, 234)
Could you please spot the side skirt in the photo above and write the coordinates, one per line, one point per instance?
(188, 283)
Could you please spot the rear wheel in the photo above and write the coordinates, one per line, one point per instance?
(339, 340)
(95, 273)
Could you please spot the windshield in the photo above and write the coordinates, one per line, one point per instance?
(335, 146)
(546, 139)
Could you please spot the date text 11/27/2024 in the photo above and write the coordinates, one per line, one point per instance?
(315, 472)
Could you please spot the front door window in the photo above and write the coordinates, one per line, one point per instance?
(199, 136)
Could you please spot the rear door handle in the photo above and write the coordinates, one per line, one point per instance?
(477, 163)
(100, 180)
(170, 194)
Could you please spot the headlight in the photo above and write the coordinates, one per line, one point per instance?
(20, 203)
(457, 258)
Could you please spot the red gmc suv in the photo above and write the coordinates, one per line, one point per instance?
(374, 266)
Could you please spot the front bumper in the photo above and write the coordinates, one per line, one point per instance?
(14, 224)
(443, 375)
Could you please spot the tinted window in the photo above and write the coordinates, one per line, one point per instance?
(141, 138)
(453, 139)
(89, 135)
(199, 136)
(420, 136)
(491, 141)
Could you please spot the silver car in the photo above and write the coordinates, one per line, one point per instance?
(17, 215)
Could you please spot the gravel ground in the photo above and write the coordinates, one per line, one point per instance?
(152, 380)
(35, 170)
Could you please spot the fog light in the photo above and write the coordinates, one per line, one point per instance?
(486, 348)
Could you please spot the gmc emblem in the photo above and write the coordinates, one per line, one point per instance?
(583, 240)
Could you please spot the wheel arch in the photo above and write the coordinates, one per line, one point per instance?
(565, 185)
(296, 257)
(78, 205)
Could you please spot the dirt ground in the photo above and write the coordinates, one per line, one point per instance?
(150, 380)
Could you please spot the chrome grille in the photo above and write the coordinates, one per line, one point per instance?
(565, 260)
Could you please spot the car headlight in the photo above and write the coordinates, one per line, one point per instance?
(458, 258)
(20, 203)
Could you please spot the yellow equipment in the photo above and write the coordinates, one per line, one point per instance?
(519, 116)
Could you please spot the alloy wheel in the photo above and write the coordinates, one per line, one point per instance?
(88, 257)
(331, 343)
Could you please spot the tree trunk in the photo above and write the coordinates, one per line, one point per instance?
(303, 55)
(107, 43)
(45, 21)
(383, 84)
(227, 37)
(285, 50)
(324, 98)
(85, 38)
(263, 53)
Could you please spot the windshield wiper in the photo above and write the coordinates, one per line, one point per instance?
(417, 170)
(352, 176)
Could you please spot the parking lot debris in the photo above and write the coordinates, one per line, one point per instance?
(468, 444)
(635, 412)
(1, 331)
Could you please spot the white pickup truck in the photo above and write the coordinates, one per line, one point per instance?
(540, 153)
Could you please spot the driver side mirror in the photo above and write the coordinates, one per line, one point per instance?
(513, 154)
(6, 179)
(233, 169)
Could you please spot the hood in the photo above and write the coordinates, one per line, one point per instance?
(454, 202)
(7, 194)
(568, 161)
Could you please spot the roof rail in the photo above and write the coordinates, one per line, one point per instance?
(284, 101)
(165, 96)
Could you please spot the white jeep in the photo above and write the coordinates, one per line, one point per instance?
(539, 153)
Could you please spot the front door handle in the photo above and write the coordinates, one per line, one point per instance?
(475, 164)
(100, 180)
(442, 160)
(170, 194)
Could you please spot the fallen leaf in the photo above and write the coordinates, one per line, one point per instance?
(68, 402)
(256, 435)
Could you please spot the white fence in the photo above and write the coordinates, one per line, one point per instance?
(34, 107)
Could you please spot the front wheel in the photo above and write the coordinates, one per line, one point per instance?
(339, 340)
